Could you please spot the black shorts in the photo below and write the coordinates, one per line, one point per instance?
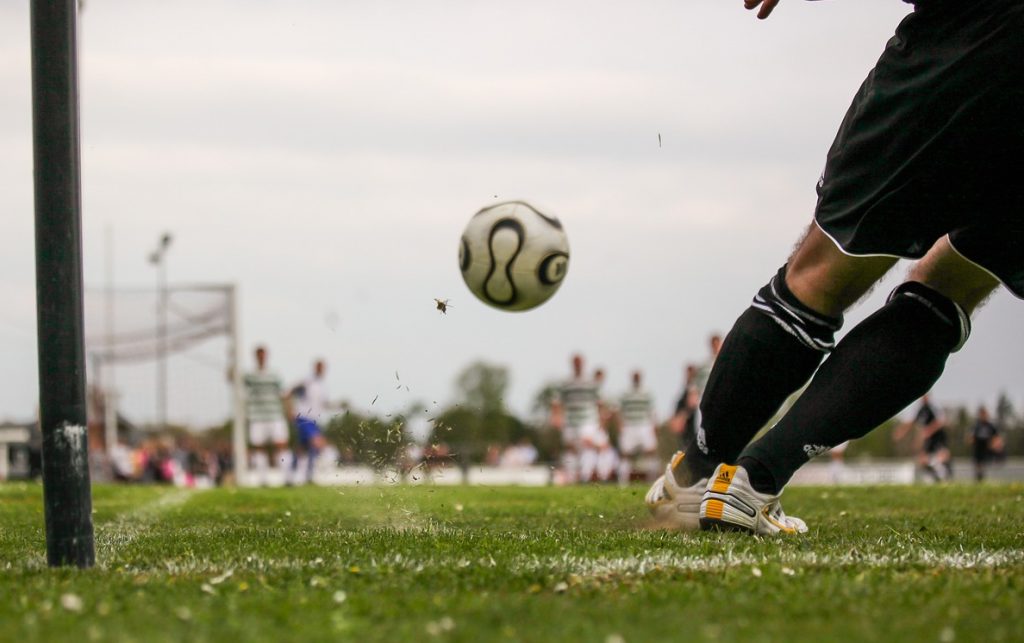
(933, 143)
(936, 442)
(982, 453)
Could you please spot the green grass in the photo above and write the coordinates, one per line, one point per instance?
(470, 564)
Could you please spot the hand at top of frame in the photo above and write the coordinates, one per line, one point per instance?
(766, 7)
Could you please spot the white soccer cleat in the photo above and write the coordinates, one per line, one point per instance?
(730, 503)
(674, 506)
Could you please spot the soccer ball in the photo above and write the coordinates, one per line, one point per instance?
(513, 256)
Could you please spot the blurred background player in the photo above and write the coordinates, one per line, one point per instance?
(931, 440)
(577, 415)
(686, 418)
(837, 462)
(985, 441)
(638, 439)
(309, 407)
(605, 455)
(683, 422)
(264, 407)
(703, 370)
(604, 409)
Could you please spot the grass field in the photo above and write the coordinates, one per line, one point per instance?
(469, 564)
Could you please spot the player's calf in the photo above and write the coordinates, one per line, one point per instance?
(773, 348)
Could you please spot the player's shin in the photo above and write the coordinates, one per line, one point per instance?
(885, 363)
(771, 351)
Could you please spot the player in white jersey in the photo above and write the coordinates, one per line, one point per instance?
(576, 414)
(638, 439)
(264, 409)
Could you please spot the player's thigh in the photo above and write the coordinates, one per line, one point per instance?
(947, 271)
(828, 280)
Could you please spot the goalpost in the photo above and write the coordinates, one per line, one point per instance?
(67, 495)
(67, 491)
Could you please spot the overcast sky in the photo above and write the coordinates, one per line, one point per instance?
(324, 156)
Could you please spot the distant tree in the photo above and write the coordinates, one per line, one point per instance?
(479, 419)
(482, 386)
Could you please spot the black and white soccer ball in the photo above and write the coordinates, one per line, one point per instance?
(513, 256)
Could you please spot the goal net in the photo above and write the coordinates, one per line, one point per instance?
(165, 357)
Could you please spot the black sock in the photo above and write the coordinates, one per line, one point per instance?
(885, 363)
(771, 351)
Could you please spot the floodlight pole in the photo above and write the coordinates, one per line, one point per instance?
(159, 259)
(62, 400)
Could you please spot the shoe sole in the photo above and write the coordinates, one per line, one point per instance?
(725, 512)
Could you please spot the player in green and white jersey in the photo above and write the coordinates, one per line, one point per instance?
(638, 440)
(264, 409)
(577, 415)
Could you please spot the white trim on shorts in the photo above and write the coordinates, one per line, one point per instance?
(846, 252)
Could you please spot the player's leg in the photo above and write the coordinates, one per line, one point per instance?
(625, 468)
(944, 461)
(934, 113)
(317, 442)
(570, 456)
(629, 452)
(837, 466)
(926, 462)
(776, 345)
(258, 460)
(885, 363)
(587, 463)
(279, 445)
(649, 454)
(607, 462)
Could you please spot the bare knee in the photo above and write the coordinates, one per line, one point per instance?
(944, 270)
(825, 279)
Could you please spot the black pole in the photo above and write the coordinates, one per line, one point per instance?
(66, 492)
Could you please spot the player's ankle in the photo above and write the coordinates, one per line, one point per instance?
(695, 466)
(761, 479)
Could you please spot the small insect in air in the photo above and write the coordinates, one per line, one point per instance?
(442, 305)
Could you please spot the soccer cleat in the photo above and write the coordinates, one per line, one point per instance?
(674, 506)
(730, 503)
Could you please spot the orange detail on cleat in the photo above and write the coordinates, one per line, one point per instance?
(784, 528)
(713, 509)
(726, 473)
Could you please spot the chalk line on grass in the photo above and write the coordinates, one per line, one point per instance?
(130, 525)
(633, 566)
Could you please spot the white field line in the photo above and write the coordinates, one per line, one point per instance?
(124, 530)
(582, 566)
(128, 526)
